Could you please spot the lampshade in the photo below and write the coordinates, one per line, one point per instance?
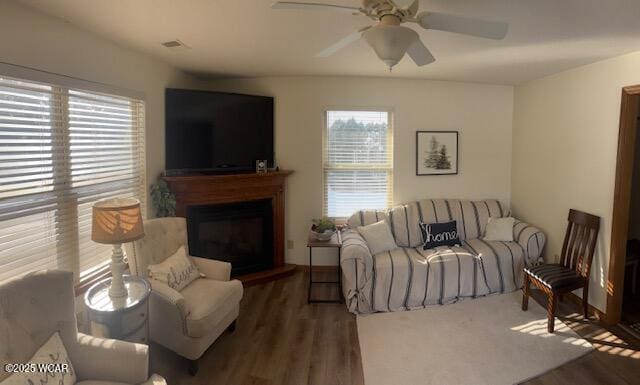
(390, 42)
(117, 220)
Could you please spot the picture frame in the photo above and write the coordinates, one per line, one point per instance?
(437, 153)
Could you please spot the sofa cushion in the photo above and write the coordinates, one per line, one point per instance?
(91, 382)
(471, 217)
(499, 229)
(439, 234)
(378, 237)
(507, 259)
(209, 301)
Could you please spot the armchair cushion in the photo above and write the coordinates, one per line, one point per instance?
(52, 352)
(213, 269)
(110, 360)
(177, 271)
(209, 301)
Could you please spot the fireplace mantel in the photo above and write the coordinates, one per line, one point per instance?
(195, 190)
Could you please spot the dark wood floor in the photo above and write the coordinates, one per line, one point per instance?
(280, 339)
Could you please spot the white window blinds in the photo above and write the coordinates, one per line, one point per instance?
(61, 150)
(357, 161)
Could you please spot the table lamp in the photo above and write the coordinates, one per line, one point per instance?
(117, 221)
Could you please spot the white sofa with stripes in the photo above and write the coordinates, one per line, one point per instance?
(412, 278)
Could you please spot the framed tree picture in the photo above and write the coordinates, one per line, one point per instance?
(436, 152)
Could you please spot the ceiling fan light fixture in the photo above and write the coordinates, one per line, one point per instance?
(390, 42)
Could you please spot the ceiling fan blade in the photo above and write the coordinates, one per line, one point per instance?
(465, 25)
(345, 41)
(403, 4)
(313, 6)
(420, 54)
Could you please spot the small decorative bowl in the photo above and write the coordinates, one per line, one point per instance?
(325, 236)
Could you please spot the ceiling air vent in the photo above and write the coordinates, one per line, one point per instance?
(175, 45)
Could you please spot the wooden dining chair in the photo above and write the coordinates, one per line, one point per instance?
(572, 273)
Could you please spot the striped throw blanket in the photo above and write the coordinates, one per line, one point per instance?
(412, 278)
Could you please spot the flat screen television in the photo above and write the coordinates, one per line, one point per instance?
(217, 131)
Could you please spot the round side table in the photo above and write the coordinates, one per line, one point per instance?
(123, 318)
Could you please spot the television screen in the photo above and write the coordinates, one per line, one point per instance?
(217, 131)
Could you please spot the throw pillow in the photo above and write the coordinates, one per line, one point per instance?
(499, 229)
(378, 237)
(177, 271)
(49, 365)
(439, 234)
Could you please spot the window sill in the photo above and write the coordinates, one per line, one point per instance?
(92, 279)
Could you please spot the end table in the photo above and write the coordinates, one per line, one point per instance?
(336, 243)
(123, 318)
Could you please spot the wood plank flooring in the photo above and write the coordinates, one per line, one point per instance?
(280, 339)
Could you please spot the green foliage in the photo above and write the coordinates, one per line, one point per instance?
(323, 224)
(163, 199)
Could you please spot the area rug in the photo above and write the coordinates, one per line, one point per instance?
(481, 341)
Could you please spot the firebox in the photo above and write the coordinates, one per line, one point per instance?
(240, 233)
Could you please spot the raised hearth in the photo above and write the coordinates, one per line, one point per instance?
(235, 202)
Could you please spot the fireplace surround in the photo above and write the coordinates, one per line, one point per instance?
(207, 194)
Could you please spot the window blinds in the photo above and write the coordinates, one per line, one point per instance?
(61, 150)
(357, 162)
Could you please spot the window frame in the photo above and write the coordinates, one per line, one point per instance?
(390, 145)
(61, 86)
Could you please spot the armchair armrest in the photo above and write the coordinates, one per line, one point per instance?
(110, 360)
(155, 380)
(218, 270)
(356, 262)
(171, 296)
(532, 241)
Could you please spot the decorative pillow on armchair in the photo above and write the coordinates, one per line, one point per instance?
(52, 356)
(177, 271)
(439, 234)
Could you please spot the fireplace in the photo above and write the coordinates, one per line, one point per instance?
(225, 205)
(240, 233)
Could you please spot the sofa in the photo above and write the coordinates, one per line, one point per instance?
(37, 305)
(410, 278)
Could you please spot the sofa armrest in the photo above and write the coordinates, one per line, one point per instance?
(110, 360)
(356, 263)
(218, 270)
(532, 241)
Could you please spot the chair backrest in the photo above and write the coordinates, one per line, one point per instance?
(163, 237)
(32, 308)
(580, 241)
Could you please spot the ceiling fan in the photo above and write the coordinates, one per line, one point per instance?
(389, 39)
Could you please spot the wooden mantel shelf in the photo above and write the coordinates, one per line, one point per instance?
(195, 190)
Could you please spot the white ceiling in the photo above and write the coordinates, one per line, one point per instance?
(247, 38)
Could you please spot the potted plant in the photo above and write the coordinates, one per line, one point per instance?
(163, 199)
(323, 229)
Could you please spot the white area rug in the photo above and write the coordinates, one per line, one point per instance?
(482, 341)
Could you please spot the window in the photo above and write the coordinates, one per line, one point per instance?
(61, 150)
(357, 161)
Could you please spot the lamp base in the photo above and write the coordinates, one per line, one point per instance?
(117, 289)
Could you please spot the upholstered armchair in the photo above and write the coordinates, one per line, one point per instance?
(34, 307)
(188, 321)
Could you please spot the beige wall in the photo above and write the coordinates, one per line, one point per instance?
(481, 113)
(29, 38)
(565, 137)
